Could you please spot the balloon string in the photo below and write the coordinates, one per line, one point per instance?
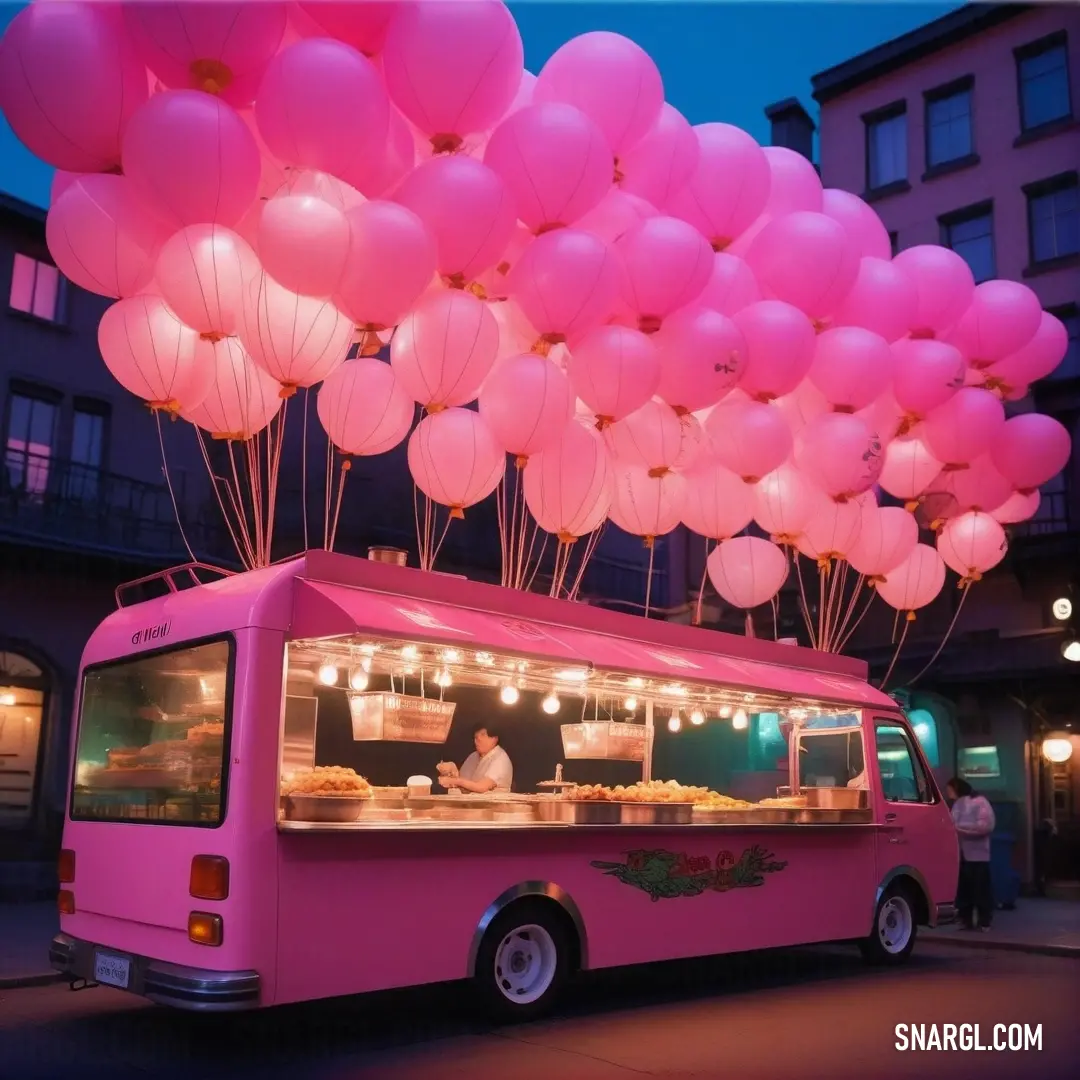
(590, 549)
(775, 605)
(850, 610)
(344, 472)
(562, 560)
(442, 536)
(648, 581)
(836, 600)
(539, 561)
(252, 453)
(215, 482)
(821, 608)
(303, 465)
(855, 625)
(168, 484)
(701, 587)
(236, 493)
(804, 606)
(896, 655)
(500, 514)
(416, 522)
(944, 640)
(326, 493)
(275, 475)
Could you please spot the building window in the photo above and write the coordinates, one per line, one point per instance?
(37, 288)
(948, 123)
(1043, 75)
(1053, 513)
(970, 233)
(1069, 368)
(31, 435)
(88, 430)
(1053, 218)
(886, 146)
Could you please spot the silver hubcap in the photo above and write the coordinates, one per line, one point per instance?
(525, 964)
(894, 924)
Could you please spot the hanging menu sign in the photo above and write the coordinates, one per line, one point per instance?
(388, 717)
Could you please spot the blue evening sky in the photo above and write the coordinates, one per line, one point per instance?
(720, 60)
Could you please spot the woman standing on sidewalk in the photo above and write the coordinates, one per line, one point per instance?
(973, 817)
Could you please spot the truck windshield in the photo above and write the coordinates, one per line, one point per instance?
(153, 738)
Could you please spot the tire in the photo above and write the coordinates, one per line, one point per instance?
(523, 963)
(893, 934)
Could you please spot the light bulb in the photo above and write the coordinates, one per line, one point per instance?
(572, 675)
(739, 720)
(697, 717)
(443, 678)
(7, 699)
(358, 678)
(452, 656)
(1057, 748)
(550, 704)
(1071, 651)
(485, 658)
(636, 682)
(674, 722)
(630, 704)
(410, 652)
(328, 675)
(509, 695)
(725, 712)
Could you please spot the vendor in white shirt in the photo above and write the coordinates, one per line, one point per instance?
(488, 768)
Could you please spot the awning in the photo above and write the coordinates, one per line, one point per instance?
(324, 610)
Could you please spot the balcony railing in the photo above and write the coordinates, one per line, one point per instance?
(52, 502)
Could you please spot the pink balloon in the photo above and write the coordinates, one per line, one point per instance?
(396, 162)
(322, 106)
(944, 284)
(104, 236)
(1030, 449)
(794, 182)
(453, 69)
(445, 348)
(965, 427)
(304, 242)
(152, 354)
(390, 262)
(69, 83)
(527, 403)
(614, 215)
(749, 438)
(841, 455)
(909, 469)
(614, 370)
(297, 339)
(644, 504)
(883, 299)
(1019, 506)
(851, 367)
(717, 504)
(747, 571)
(887, 537)
(978, 487)
(833, 530)
(194, 157)
(807, 260)
(363, 409)
(780, 346)
(868, 236)
(731, 287)
(926, 374)
(784, 503)
(364, 26)
(661, 162)
(1003, 317)
(202, 272)
(569, 486)
(654, 437)
(729, 187)
(611, 80)
(702, 355)
(668, 263)
(555, 162)
(221, 48)
(802, 405)
(466, 208)
(1035, 360)
(915, 582)
(567, 282)
(494, 281)
(972, 544)
(454, 459)
(243, 398)
(61, 181)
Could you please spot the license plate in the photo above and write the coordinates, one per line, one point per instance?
(112, 970)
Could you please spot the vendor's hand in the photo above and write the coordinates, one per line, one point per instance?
(448, 781)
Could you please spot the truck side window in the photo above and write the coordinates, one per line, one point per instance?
(902, 775)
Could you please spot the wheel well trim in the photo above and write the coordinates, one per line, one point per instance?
(525, 890)
(915, 875)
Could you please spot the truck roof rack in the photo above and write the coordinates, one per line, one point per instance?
(188, 574)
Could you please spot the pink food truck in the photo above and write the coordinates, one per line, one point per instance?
(270, 798)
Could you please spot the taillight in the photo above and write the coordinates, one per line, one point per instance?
(66, 866)
(209, 878)
(204, 928)
(65, 901)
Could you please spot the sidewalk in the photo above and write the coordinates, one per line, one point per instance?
(1037, 925)
(25, 933)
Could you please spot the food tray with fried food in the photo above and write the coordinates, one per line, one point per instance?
(327, 780)
(336, 808)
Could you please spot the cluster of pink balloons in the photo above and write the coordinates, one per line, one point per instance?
(661, 324)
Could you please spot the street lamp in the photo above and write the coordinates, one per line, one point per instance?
(1062, 609)
(1057, 747)
(1070, 649)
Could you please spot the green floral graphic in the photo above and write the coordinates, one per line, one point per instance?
(667, 874)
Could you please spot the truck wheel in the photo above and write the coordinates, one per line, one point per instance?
(892, 937)
(522, 964)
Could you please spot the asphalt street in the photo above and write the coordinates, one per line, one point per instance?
(806, 1013)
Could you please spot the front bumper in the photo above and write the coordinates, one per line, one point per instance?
(182, 987)
(946, 913)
